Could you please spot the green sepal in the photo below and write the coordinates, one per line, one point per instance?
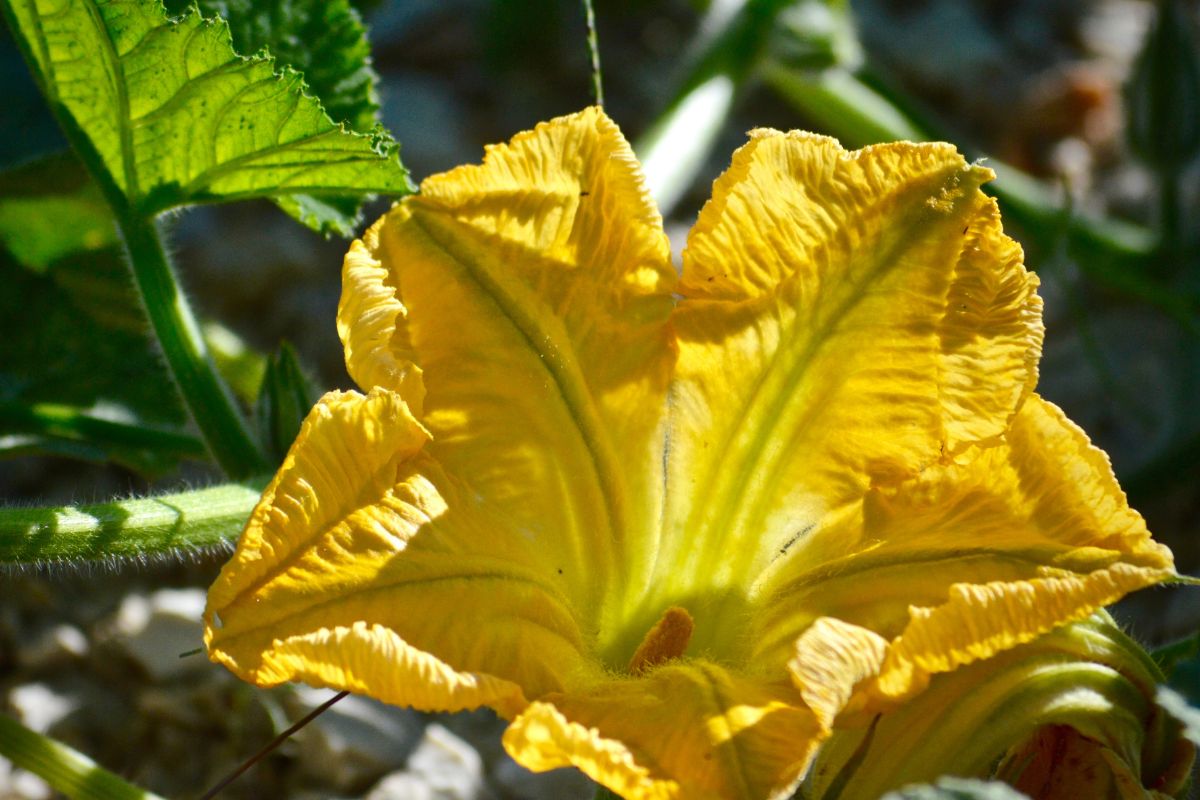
(1178, 707)
(284, 400)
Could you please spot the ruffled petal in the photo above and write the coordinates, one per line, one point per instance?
(849, 319)
(533, 292)
(365, 568)
(832, 658)
(969, 559)
(689, 731)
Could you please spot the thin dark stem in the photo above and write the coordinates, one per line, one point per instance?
(274, 743)
(589, 15)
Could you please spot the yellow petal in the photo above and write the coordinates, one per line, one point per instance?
(533, 292)
(371, 324)
(832, 658)
(848, 319)
(686, 731)
(970, 559)
(364, 568)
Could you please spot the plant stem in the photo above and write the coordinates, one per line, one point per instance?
(271, 746)
(604, 793)
(138, 529)
(210, 402)
(673, 150)
(66, 770)
(69, 422)
(589, 16)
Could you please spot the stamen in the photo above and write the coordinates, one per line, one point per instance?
(668, 639)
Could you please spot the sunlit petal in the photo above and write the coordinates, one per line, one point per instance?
(849, 319)
(691, 730)
(971, 558)
(533, 292)
(358, 561)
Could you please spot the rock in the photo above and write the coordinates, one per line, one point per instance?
(443, 767)
(53, 646)
(356, 740)
(17, 784)
(156, 629)
(39, 706)
(557, 784)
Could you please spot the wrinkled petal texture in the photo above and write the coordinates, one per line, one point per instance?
(355, 567)
(674, 527)
(968, 559)
(692, 730)
(850, 318)
(532, 292)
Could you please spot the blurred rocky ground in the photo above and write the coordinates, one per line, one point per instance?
(98, 658)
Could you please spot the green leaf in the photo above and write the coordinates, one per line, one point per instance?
(82, 339)
(36, 199)
(169, 115)
(957, 789)
(240, 365)
(83, 351)
(284, 401)
(322, 39)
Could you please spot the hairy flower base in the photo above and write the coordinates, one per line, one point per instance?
(674, 526)
(1070, 715)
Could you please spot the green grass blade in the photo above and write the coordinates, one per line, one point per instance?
(66, 770)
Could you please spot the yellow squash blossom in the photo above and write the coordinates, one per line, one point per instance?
(672, 526)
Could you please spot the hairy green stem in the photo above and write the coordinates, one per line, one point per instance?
(66, 770)
(150, 527)
(209, 400)
(75, 424)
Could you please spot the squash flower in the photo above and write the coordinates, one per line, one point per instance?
(671, 525)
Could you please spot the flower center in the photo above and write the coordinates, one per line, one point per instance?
(668, 639)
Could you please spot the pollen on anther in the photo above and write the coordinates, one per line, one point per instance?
(668, 639)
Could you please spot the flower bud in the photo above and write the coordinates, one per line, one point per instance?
(1069, 715)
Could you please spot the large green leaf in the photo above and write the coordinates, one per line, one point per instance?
(323, 39)
(173, 116)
